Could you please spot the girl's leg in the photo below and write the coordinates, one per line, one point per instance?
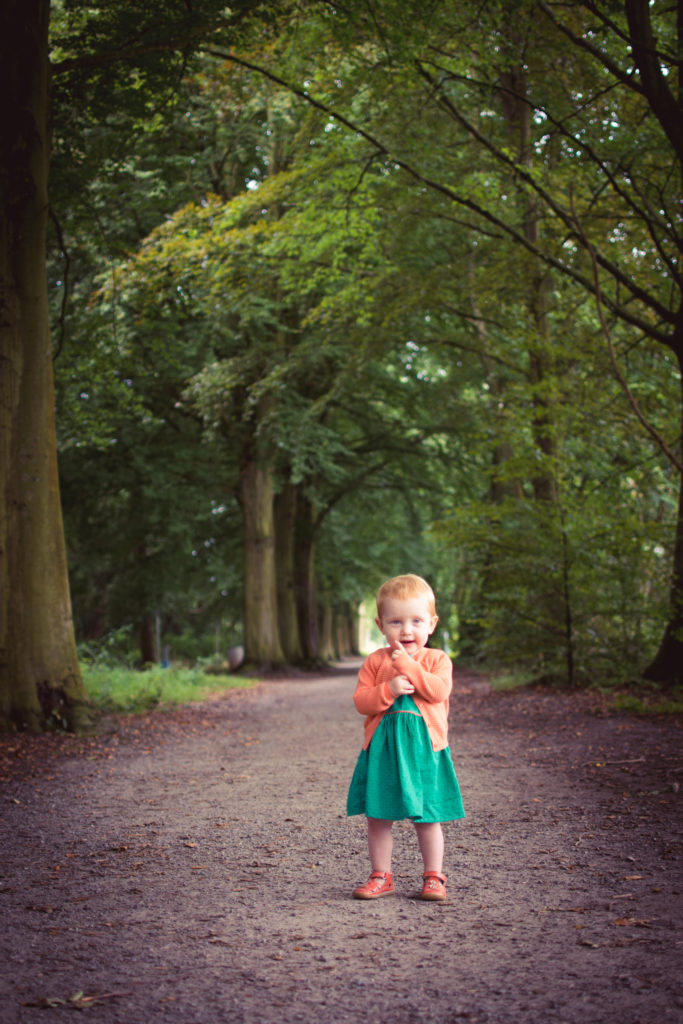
(380, 843)
(430, 838)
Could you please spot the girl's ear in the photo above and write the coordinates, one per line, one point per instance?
(432, 623)
(378, 623)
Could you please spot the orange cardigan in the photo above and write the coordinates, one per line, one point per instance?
(430, 672)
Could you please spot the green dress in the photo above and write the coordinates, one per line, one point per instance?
(401, 776)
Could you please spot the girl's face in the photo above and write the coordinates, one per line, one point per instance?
(407, 622)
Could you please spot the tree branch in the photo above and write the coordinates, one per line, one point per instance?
(585, 282)
(92, 61)
(563, 215)
(655, 86)
(644, 211)
(583, 44)
(633, 402)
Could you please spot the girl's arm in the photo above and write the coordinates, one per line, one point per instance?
(371, 696)
(432, 684)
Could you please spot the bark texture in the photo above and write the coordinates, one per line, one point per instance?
(285, 523)
(262, 635)
(40, 681)
(304, 581)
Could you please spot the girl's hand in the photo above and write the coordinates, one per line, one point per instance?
(400, 685)
(397, 648)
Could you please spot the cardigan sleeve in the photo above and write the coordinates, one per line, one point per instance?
(432, 677)
(373, 695)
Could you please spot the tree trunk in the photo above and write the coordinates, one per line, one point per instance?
(305, 589)
(665, 103)
(261, 631)
(535, 282)
(502, 450)
(344, 643)
(40, 681)
(667, 665)
(285, 523)
(147, 638)
(353, 628)
(327, 649)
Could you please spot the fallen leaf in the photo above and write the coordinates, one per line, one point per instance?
(45, 1002)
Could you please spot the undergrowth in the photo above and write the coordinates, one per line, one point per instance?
(638, 698)
(121, 689)
(510, 679)
(649, 703)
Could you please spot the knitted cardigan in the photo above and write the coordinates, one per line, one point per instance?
(430, 672)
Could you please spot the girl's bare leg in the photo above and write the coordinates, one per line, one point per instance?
(430, 838)
(380, 843)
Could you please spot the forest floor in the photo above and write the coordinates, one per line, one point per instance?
(195, 866)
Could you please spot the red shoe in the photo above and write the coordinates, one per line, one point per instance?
(380, 883)
(434, 886)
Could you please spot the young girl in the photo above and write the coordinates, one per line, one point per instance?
(404, 769)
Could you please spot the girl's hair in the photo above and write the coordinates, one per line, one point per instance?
(402, 587)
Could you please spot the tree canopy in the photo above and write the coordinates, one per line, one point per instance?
(338, 292)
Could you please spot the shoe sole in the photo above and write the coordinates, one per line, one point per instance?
(374, 896)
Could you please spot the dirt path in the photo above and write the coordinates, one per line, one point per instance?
(195, 867)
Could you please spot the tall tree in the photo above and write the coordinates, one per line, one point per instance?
(40, 680)
(39, 676)
(607, 138)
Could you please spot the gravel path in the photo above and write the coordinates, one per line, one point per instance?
(195, 866)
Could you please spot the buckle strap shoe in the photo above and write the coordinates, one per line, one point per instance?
(433, 886)
(380, 883)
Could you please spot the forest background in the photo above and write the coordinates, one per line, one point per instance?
(336, 291)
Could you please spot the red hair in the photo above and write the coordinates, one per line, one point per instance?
(402, 587)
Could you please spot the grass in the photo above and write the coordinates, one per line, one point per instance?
(637, 699)
(648, 703)
(510, 680)
(120, 689)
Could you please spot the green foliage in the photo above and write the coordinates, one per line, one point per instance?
(539, 588)
(648, 703)
(124, 690)
(510, 679)
(113, 649)
(266, 281)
